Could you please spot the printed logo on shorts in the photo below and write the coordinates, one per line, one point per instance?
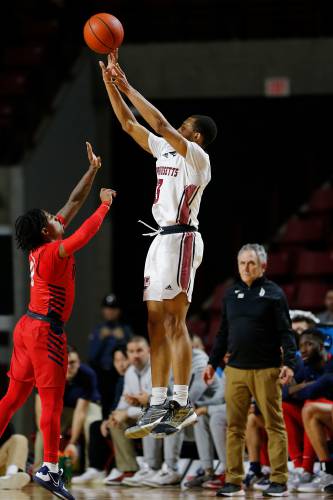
(169, 287)
(146, 282)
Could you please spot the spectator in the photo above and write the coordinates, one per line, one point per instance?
(302, 320)
(327, 315)
(197, 342)
(256, 331)
(81, 405)
(309, 382)
(136, 393)
(13, 456)
(99, 450)
(102, 341)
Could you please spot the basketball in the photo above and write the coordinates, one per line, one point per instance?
(103, 33)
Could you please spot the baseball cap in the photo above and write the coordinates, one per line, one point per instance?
(110, 300)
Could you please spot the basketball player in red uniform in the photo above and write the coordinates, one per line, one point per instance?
(39, 356)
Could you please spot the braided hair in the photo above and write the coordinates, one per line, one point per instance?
(28, 229)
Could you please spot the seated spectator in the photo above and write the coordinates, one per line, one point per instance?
(102, 341)
(13, 458)
(326, 316)
(81, 406)
(136, 393)
(302, 320)
(99, 449)
(310, 383)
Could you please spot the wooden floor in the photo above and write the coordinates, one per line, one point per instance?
(35, 492)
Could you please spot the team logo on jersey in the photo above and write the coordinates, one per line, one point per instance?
(146, 282)
(172, 153)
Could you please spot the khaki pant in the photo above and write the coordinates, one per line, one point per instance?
(265, 387)
(14, 452)
(124, 450)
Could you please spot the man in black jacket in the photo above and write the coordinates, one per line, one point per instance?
(255, 332)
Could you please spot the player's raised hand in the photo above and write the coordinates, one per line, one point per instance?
(108, 72)
(106, 195)
(94, 161)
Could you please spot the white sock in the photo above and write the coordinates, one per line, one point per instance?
(52, 467)
(158, 395)
(180, 394)
(11, 469)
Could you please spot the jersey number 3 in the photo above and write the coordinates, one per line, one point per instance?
(158, 189)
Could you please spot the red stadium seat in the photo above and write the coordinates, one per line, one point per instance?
(322, 200)
(311, 295)
(278, 264)
(304, 230)
(290, 292)
(314, 263)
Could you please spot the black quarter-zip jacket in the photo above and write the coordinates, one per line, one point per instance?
(255, 325)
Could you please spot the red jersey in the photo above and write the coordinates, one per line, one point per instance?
(52, 285)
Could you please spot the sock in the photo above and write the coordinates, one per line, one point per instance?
(298, 462)
(158, 395)
(327, 466)
(256, 468)
(11, 469)
(52, 467)
(180, 394)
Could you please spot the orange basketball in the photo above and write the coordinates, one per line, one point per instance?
(103, 33)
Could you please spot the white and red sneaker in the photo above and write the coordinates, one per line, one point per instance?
(116, 476)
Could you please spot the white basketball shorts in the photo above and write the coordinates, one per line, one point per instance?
(171, 263)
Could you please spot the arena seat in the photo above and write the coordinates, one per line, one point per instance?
(290, 290)
(278, 264)
(310, 295)
(304, 230)
(314, 263)
(322, 200)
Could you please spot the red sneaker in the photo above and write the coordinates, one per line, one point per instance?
(115, 477)
(215, 483)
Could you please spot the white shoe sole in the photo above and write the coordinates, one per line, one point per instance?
(15, 482)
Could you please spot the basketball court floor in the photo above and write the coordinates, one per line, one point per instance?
(34, 492)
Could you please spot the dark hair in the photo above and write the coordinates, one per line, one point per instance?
(120, 348)
(207, 127)
(138, 338)
(72, 349)
(28, 229)
(316, 334)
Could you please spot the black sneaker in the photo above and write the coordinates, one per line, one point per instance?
(329, 488)
(276, 490)
(176, 419)
(151, 417)
(197, 481)
(231, 490)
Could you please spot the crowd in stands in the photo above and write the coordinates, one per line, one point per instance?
(105, 396)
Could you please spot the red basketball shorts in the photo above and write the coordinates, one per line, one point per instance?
(39, 354)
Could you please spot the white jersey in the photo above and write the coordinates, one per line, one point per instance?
(180, 182)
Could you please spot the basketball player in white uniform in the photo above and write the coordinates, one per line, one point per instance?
(183, 171)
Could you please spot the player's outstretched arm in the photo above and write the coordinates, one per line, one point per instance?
(123, 113)
(82, 189)
(149, 113)
(89, 228)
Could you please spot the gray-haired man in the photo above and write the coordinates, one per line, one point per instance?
(255, 331)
